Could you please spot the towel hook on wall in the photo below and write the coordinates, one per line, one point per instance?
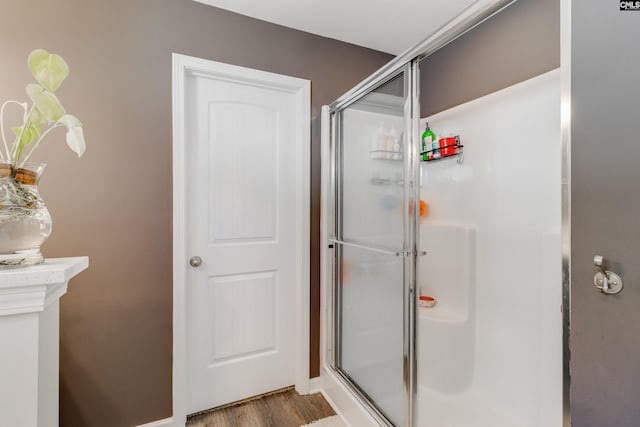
(607, 281)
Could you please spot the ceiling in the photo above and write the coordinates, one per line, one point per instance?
(386, 26)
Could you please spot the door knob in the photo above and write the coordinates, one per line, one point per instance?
(607, 281)
(195, 261)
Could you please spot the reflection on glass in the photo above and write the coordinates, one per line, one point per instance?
(372, 167)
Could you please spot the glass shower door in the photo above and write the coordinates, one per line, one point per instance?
(370, 228)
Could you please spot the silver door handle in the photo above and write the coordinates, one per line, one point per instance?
(607, 281)
(195, 261)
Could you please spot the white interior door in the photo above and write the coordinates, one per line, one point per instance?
(243, 221)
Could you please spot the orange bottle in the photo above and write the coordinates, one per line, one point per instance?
(423, 208)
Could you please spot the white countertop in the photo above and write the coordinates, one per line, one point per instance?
(33, 288)
(52, 270)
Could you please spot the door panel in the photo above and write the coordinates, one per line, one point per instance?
(370, 232)
(605, 349)
(243, 162)
(235, 300)
(241, 206)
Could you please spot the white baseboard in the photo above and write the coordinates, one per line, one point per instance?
(160, 423)
(315, 385)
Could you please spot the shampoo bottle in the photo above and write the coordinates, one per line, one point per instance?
(427, 143)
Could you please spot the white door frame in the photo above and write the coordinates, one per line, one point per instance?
(182, 67)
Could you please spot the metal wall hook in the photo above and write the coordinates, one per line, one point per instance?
(606, 281)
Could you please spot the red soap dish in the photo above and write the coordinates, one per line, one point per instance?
(427, 301)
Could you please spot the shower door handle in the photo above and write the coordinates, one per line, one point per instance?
(606, 281)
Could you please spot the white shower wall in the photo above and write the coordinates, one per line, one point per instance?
(490, 351)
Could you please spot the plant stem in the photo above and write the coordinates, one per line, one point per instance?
(4, 138)
(19, 144)
(38, 142)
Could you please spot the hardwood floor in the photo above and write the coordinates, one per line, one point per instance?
(283, 409)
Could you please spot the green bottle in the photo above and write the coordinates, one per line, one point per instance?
(427, 143)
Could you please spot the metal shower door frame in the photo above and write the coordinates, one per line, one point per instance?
(408, 252)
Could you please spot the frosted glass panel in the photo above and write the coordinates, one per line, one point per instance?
(372, 167)
(370, 221)
(370, 290)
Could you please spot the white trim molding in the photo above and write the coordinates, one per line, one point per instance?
(182, 67)
(315, 385)
(160, 423)
(33, 289)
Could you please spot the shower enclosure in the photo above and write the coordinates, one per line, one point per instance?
(372, 241)
(472, 223)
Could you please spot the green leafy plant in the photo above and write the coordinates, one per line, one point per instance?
(45, 114)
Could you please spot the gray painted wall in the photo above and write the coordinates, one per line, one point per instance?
(114, 204)
(517, 44)
(605, 345)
